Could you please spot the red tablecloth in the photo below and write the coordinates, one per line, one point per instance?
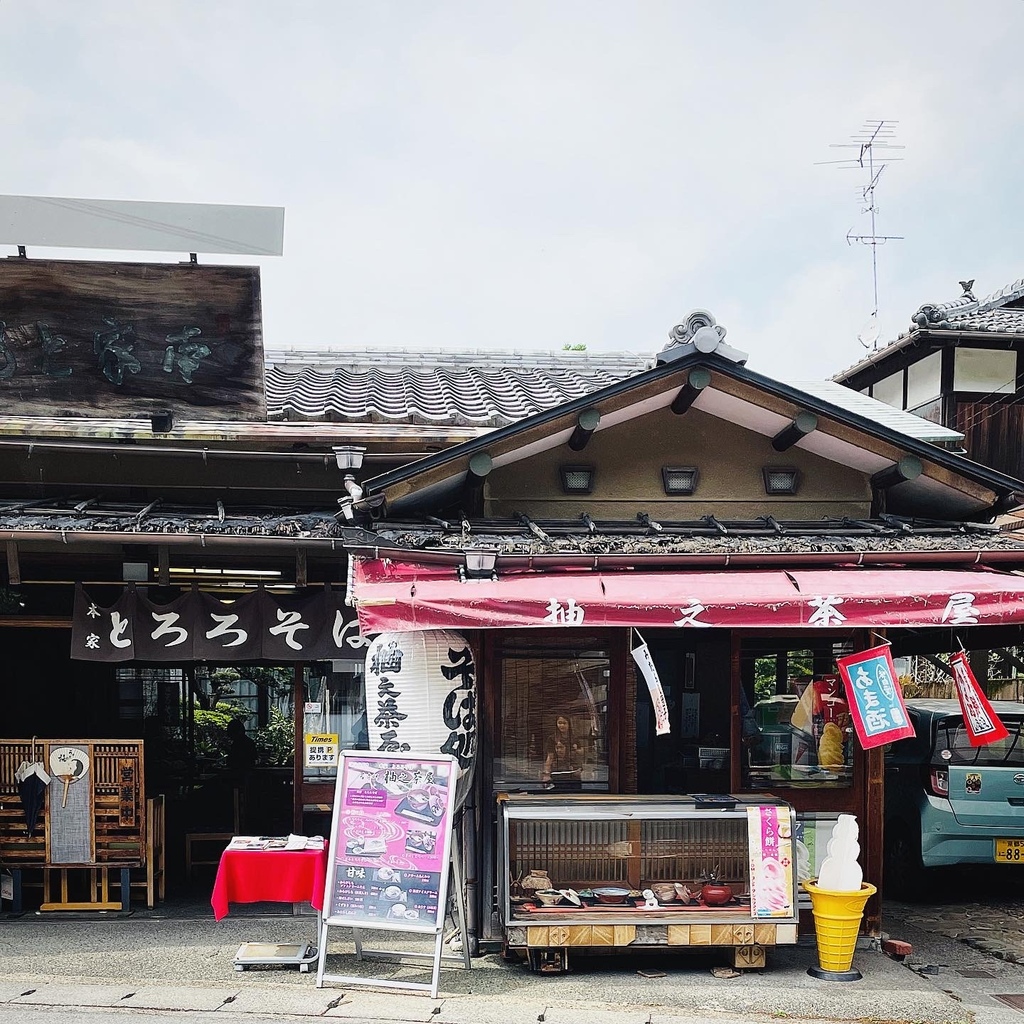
(275, 876)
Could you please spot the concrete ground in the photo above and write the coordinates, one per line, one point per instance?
(178, 958)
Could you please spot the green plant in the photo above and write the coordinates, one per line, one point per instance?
(211, 728)
(275, 741)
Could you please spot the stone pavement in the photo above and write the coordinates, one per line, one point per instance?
(157, 960)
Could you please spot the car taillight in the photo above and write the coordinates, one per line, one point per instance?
(938, 782)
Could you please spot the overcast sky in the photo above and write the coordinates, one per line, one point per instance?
(532, 174)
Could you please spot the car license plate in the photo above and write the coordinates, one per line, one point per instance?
(1010, 851)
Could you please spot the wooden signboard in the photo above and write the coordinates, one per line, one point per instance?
(81, 338)
(107, 783)
(390, 853)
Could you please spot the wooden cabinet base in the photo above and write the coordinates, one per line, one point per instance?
(547, 946)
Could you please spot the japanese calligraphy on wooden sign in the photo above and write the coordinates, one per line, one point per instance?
(390, 842)
(127, 790)
(155, 338)
(197, 626)
(874, 697)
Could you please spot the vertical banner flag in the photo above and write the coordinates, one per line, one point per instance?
(874, 697)
(642, 656)
(982, 723)
(770, 845)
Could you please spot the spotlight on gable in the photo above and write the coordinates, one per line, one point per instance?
(780, 479)
(679, 479)
(577, 479)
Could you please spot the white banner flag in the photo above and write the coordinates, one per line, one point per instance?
(642, 656)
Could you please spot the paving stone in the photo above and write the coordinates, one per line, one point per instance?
(573, 1014)
(74, 995)
(486, 1010)
(397, 1006)
(283, 1000)
(11, 990)
(177, 997)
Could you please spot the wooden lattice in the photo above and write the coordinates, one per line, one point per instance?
(116, 777)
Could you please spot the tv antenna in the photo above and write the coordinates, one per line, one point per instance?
(873, 143)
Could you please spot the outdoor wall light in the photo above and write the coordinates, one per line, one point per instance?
(479, 565)
(161, 422)
(349, 456)
(780, 479)
(577, 479)
(679, 479)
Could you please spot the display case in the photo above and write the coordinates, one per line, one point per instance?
(700, 871)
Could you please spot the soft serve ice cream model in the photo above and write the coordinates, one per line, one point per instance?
(840, 871)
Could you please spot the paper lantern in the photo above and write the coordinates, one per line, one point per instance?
(421, 697)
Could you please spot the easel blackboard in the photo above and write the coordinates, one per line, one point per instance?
(391, 847)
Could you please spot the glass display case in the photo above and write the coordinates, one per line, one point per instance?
(700, 871)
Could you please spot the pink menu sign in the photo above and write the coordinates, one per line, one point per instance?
(390, 841)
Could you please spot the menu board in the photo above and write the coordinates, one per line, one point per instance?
(390, 841)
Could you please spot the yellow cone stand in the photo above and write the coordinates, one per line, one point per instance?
(837, 917)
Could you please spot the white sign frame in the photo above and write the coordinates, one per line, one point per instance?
(449, 861)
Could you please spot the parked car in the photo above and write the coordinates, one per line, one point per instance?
(948, 803)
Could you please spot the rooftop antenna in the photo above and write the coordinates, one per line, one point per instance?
(873, 142)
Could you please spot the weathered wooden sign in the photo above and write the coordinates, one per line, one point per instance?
(130, 339)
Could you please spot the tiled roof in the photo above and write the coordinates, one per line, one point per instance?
(704, 537)
(905, 422)
(970, 314)
(967, 314)
(463, 389)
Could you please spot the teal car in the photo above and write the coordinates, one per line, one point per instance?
(948, 803)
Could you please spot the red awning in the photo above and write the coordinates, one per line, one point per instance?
(401, 597)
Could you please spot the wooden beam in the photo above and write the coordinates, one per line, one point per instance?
(803, 423)
(696, 382)
(480, 465)
(301, 578)
(163, 566)
(586, 423)
(13, 565)
(907, 467)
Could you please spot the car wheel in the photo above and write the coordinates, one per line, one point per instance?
(904, 877)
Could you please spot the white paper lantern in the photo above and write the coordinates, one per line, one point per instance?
(421, 697)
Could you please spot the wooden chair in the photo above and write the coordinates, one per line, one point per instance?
(215, 841)
(154, 883)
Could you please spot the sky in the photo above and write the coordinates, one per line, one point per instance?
(545, 173)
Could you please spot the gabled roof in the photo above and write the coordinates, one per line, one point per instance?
(1001, 313)
(457, 388)
(950, 486)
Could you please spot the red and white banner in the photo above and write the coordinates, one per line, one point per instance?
(982, 723)
(874, 697)
(403, 596)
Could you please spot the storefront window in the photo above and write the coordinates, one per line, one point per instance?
(335, 706)
(552, 732)
(796, 729)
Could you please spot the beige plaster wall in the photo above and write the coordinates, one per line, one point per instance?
(628, 458)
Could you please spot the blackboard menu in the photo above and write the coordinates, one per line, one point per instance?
(390, 841)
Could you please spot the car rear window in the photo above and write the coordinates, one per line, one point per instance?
(951, 735)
